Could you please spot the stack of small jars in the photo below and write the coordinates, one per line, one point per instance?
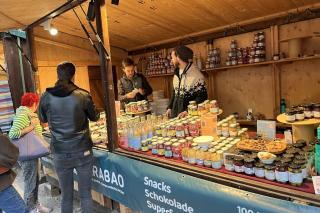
(302, 112)
(258, 49)
(203, 108)
(159, 64)
(290, 167)
(229, 127)
(213, 58)
(136, 107)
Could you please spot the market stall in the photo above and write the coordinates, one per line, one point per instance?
(206, 160)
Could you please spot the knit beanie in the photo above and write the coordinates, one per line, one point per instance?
(66, 71)
(184, 53)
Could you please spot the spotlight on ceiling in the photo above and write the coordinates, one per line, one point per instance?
(115, 2)
(53, 31)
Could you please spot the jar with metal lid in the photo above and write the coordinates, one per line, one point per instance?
(154, 149)
(184, 153)
(255, 43)
(260, 51)
(164, 130)
(295, 175)
(190, 108)
(144, 146)
(160, 148)
(215, 160)
(282, 174)
(200, 156)
(261, 35)
(168, 149)
(176, 151)
(158, 130)
(180, 130)
(233, 131)
(192, 155)
(225, 130)
(252, 51)
(186, 128)
(300, 144)
(249, 166)
(308, 110)
(149, 141)
(290, 116)
(189, 141)
(287, 155)
(261, 43)
(194, 129)
(171, 130)
(269, 172)
(238, 163)
(316, 110)
(300, 115)
(201, 109)
(219, 129)
(183, 142)
(292, 151)
(193, 103)
(207, 159)
(228, 164)
(259, 169)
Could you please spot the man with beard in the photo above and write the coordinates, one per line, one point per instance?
(188, 83)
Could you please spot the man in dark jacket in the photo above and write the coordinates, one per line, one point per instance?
(188, 82)
(67, 109)
(132, 86)
(10, 200)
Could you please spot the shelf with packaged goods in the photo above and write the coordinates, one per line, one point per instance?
(159, 75)
(281, 61)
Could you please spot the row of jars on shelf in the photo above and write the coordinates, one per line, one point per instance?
(169, 70)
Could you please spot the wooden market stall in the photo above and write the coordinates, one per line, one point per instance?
(141, 28)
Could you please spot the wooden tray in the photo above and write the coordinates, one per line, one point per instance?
(274, 147)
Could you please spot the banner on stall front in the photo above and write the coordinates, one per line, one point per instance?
(148, 188)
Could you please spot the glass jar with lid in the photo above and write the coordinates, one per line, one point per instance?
(233, 44)
(185, 153)
(295, 174)
(291, 116)
(233, 131)
(154, 149)
(180, 130)
(200, 156)
(300, 114)
(194, 129)
(176, 151)
(269, 172)
(225, 130)
(259, 169)
(249, 166)
(186, 128)
(238, 163)
(316, 110)
(308, 110)
(168, 149)
(215, 160)
(192, 155)
(282, 174)
(228, 164)
(161, 148)
(207, 159)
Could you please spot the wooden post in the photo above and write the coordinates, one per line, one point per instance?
(31, 53)
(106, 74)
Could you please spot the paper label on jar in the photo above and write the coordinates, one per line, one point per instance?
(259, 173)
(199, 162)
(216, 164)
(308, 114)
(239, 169)
(229, 167)
(295, 178)
(290, 118)
(270, 175)
(300, 116)
(316, 114)
(154, 151)
(207, 163)
(168, 153)
(249, 171)
(180, 134)
(282, 176)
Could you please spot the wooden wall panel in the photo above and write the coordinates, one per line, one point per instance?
(240, 89)
(300, 82)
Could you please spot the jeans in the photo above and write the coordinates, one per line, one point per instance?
(31, 182)
(11, 202)
(64, 164)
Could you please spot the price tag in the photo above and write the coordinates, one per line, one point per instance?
(316, 184)
(267, 129)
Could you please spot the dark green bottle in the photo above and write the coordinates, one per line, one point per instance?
(317, 152)
(283, 106)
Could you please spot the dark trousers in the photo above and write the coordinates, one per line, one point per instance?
(65, 164)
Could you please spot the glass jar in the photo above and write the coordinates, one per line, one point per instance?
(180, 130)
(201, 109)
(186, 128)
(200, 156)
(214, 106)
(234, 61)
(269, 172)
(260, 51)
(192, 155)
(219, 129)
(233, 131)
(261, 43)
(233, 44)
(184, 153)
(149, 141)
(260, 35)
(168, 149)
(216, 162)
(291, 116)
(160, 148)
(144, 146)
(252, 51)
(193, 103)
(171, 130)
(194, 129)
(287, 155)
(282, 174)
(154, 149)
(308, 110)
(163, 130)
(189, 141)
(225, 130)
(158, 131)
(249, 166)
(176, 151)
(259, 169)
(238, 163)
(207, 159)
(295, 175)
(228, 164)
(316, 110)
(300, 115)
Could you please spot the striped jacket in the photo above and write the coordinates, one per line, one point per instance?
(22, 120)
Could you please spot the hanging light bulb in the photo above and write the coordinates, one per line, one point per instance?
(53, 31)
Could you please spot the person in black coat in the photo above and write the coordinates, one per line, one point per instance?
(132, 86)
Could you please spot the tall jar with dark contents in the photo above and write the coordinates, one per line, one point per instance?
(282, 174)
(238, 163)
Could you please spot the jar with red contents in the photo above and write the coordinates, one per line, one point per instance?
(176, 151)
(194, 129)
(180, 130)
(186, 128)
(183, 142)
(189, 141)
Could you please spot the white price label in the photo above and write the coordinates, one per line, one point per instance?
(316, 184)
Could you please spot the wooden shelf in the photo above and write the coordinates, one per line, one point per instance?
(300, 37)
(160, 75)
(254, 123)
(286, 60)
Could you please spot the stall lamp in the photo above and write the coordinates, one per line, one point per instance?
(53, 31)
